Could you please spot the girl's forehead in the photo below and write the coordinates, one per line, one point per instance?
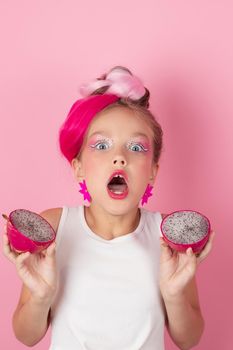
(119, 120)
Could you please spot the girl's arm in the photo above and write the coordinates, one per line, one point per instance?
(184, 320)
(38, 273)
(185, 323)
(31, 318)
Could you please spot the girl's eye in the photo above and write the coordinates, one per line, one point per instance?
(135, 147)
(101, 145)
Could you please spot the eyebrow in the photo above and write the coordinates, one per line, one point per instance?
(135, 134)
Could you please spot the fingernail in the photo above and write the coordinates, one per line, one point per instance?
(5, 217)
(190, 251)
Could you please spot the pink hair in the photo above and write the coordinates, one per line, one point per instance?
(72, 131)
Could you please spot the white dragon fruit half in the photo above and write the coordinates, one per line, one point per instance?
(186, 228)
(28, 231)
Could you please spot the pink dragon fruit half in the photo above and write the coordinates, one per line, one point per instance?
(186, 228)
(28, 231)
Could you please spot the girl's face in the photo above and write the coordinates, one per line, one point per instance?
(117, 140)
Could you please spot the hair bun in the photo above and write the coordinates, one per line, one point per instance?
(124, 84)
(119, 81)
(87, 89)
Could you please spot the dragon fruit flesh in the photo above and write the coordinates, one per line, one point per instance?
(186, 228)
(28, 231)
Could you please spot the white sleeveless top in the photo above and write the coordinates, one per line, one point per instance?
(108, 298)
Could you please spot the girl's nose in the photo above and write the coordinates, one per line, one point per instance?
(119, 160)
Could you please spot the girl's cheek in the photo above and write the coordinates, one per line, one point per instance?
(92, 162)
(142, 157)
(145, 163)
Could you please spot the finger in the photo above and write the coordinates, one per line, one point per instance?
(207, 249)
(8, 252)
(21, 259)
(51, 250)
(187, 265)
(4, 238)
(166, 251)
(192, 263)
(208, 245)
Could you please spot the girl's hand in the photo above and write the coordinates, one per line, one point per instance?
(37, 271)
(177, 269)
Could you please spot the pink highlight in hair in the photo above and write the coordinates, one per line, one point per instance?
(72, 131)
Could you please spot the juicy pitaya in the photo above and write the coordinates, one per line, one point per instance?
(186, 228)
(28, 231)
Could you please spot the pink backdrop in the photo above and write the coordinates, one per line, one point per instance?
(183, 52)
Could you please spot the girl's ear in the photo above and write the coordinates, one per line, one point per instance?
(154, 171)
(77, 167)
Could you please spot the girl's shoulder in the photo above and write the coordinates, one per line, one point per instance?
(163, 215)
(155, 213)
(53, 216)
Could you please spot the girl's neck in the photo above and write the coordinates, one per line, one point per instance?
(110, 226)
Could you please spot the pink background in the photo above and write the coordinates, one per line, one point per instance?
(183, 52)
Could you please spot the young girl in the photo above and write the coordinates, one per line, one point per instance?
(109, 282)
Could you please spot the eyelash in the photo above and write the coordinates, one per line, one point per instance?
(101, 142)
(130, 143)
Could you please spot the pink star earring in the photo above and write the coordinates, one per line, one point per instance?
(147, 194)
(84, 191)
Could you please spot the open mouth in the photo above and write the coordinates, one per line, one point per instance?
(117, 186)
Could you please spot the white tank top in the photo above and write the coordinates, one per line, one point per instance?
(108, 298)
